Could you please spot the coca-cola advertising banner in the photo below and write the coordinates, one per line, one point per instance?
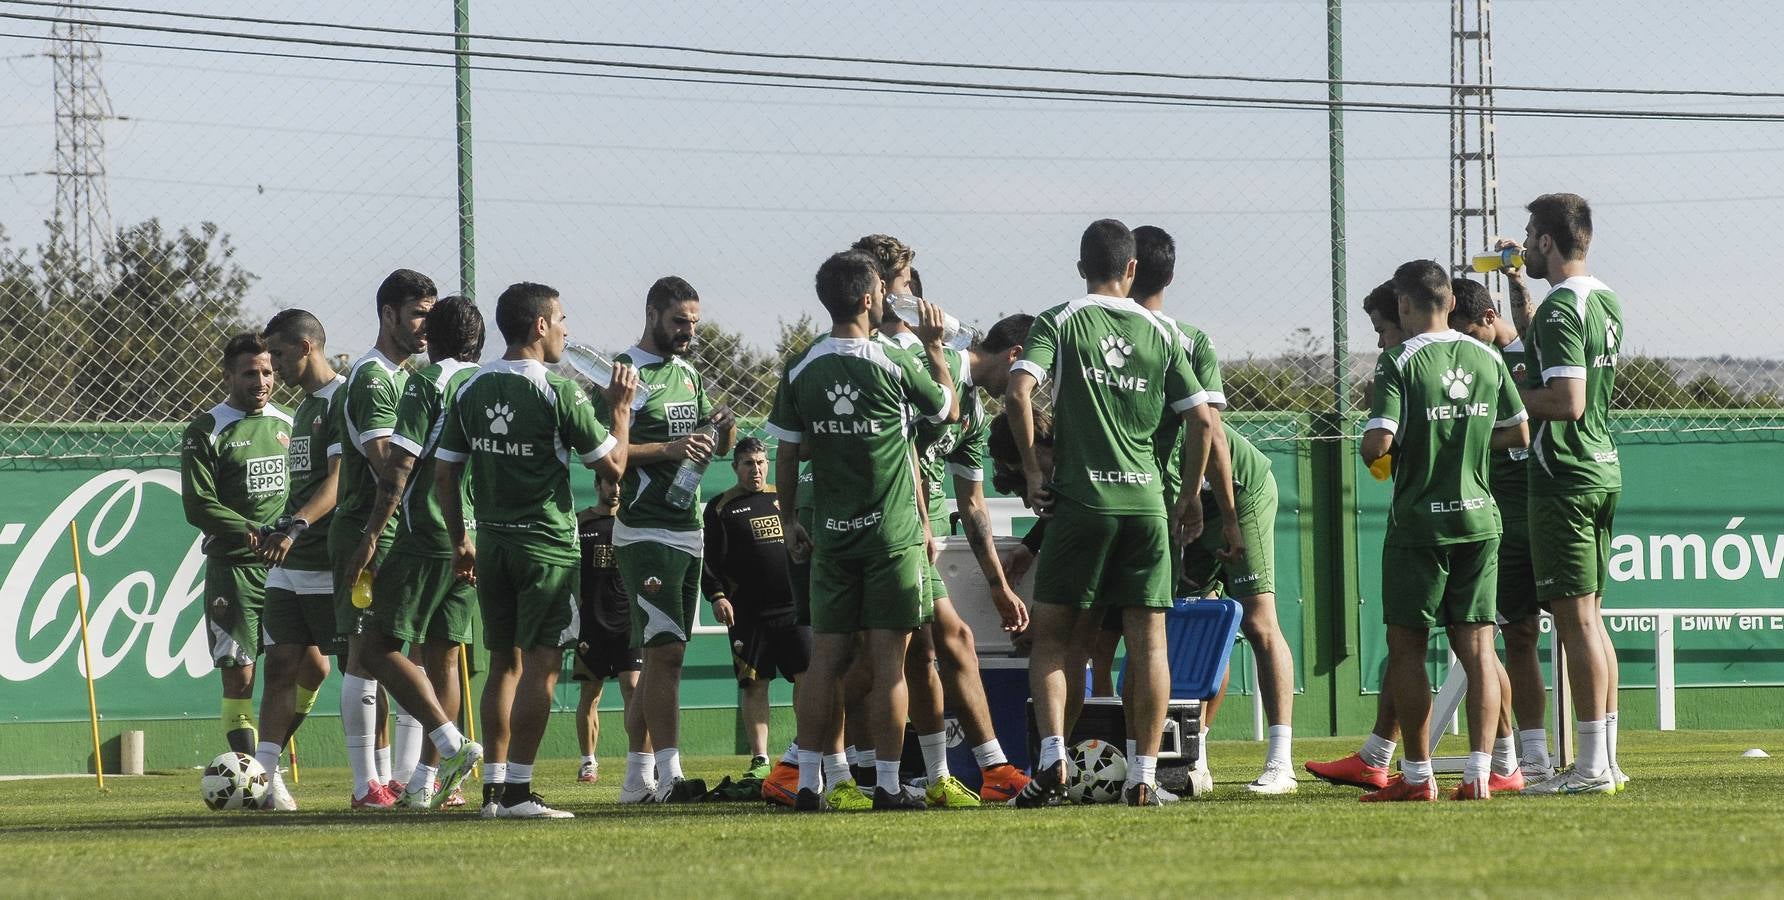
(144, 583)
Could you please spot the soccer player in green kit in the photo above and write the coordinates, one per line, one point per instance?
(657, 543)
(415, 598)
(1519, 614)
(954, 448)
(364, 413)
(851, 400)
(1443, 402)
(1116, 369)
(299, 625)
(1575, 478)
(514, 429)
(232, 483)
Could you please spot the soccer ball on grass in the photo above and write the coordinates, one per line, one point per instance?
(233, 781)
(1101, 772)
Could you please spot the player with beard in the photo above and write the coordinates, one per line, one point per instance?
(232, 483)
(364, 414)
(658, 544)
(415, 598)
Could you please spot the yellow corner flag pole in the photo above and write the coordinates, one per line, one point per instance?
(291, 745)
(80, 591)
(464, 693)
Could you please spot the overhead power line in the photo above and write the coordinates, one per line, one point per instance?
(880, 84)
(907, 63)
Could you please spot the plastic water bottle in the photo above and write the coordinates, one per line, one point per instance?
(686, 485)
(954, 334)
(1497, 260)
(589, 363)
(362, 591)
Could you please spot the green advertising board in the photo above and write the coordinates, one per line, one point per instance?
(1699, 527)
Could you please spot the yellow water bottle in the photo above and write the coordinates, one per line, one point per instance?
(1383, 467)
(1499, 260)
(362, 591)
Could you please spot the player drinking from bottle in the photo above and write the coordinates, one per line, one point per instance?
(851, 400)
(513, 430)
(1575, 478)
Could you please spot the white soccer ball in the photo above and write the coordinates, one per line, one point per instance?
(233, 781)
(1101, 772)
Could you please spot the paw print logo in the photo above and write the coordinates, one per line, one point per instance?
(499, 416)
(1456, 383)
(1610, 336)
(1116, 350)
(842, 399)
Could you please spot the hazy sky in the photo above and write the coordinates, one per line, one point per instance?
(328, 174)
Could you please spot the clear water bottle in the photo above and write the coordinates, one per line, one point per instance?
(686, 485)
(589, 363)
(954, 334)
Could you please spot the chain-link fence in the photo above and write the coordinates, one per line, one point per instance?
(252, 164)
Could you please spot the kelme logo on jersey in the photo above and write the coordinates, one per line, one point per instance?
(1116, 349)
(1456, 383)
(682, 417)
(1609, 356)
(499, 416)
(842, 399)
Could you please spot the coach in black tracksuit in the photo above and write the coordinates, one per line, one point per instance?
(747, 578)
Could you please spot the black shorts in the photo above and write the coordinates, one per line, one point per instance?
(763, 648)
(603, 652)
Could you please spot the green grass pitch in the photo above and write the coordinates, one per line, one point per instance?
(1698, 820)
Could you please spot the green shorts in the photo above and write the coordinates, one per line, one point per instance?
(1090, 559)
(415, 598)
(850, 594)
(1517, 577)
(1451, 584)
(527, 602)
(934, 588)
(1570, 543)
(300, 611)
(342, 538)
(1252, 575)
(234, 596)
(664, 584)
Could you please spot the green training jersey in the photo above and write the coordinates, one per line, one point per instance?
(312, 431)
(1168, 442)
(516, 426)
(420, 417)
(1510, 481)
(671, 402)
(954, 448)
(233, 476)
(1115, 370)
(852, 399)
(364, 409)
(1250, 469)
(1576, 333)
(1441, 394)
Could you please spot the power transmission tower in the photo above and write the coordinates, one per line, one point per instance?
(1474, 171)
(83, 210)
